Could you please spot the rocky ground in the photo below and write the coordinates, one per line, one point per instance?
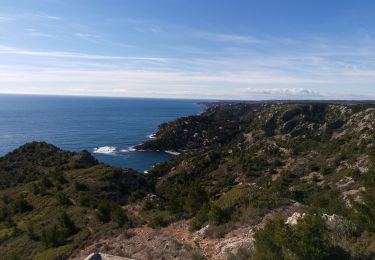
(176, 241)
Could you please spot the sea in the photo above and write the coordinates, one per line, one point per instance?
(107, 127)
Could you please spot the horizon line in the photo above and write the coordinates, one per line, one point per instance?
(181, 98)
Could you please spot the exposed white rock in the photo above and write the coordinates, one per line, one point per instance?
(345, 182)
(202, 231)
(354, 195)
(231, 246)
(330, 219)
(153, 199)
(101, 256)
(339, 225)
(293, 220)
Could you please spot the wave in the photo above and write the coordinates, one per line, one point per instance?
(128, 150)
(172, 152)
(152, 136)
(105, 150)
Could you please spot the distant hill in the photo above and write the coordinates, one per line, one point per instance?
(289, 180)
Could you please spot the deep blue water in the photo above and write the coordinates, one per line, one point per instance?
(90, 123)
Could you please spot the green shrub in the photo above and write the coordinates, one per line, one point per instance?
(66, 225)
(63, 199)
(136, 196)
(197, 196)
(148, 205)
(30, 231)
(57, 234)
(4, 212)
(52, 236)
(87, 201)
(200, 218)
(80, 186)
(108, 211)
(159, 218)
(119, 216)
(104, 211)
(217, 215)
(309, 239)
(20, 205)
(174, 205)
(270, 242)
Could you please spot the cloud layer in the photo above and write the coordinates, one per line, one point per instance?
(199, 64)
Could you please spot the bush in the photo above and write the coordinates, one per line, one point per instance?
(157, 221)
(309, 239)
(80, 186)
(56, 235)
(45, 182)
(200, 218)
(197, 196)
(119, 216)
(175, 204)
(104, 211)
(87, 201)
(148, 205)
(108, 211)
(4, 213)
(217, 215)
(20, 205)
(66, 225)
(59, 177)
(270, 242)
(31, 232)
(136, 196)
(52, 236)
(63, 199)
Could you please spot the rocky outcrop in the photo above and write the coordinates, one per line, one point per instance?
(293, 220)
(232, 246)
(101, 256)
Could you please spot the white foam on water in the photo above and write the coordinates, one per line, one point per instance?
(128, 150)
(152, 136)
(105, 150)
(172, 152)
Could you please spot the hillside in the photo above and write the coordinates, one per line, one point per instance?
(251, 161)
(54, 201)
(259, 181)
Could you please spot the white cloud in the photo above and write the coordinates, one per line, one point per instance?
(234, 68)
(73, 55)
(282, 93)
(36, 33)
(231, 38)
(5, 19)
(149, 77)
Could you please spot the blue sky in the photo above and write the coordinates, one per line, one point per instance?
(233, 49)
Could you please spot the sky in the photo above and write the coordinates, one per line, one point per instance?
(218, 49)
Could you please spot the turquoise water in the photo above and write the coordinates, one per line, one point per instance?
(107, 127)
